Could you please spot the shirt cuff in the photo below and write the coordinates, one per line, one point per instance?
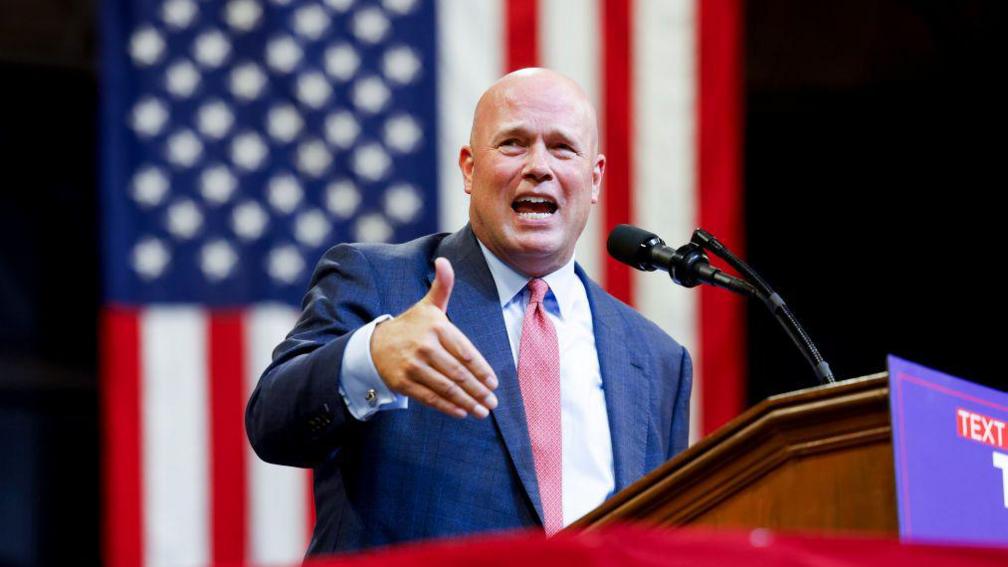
(362, 388)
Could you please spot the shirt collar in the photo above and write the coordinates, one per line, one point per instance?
(510, 283)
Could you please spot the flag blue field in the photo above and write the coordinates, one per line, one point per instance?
(243, 138)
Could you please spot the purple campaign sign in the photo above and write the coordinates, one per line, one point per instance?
(951, 447)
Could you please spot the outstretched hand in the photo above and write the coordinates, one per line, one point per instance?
(422, 355)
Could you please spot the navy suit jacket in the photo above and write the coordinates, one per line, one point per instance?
(416, 473)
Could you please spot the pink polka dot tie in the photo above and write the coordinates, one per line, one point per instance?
(539, 379)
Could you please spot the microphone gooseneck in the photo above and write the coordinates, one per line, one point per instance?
(688, 266)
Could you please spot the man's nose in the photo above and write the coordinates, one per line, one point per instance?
(537, 166)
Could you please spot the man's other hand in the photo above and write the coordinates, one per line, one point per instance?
(422, 355)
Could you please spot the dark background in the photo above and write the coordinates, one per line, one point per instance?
(874, 152)
(872, 142)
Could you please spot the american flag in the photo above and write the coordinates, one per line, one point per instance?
(241, 138)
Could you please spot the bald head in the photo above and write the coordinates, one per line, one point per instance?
(532, 169)
(538, 83)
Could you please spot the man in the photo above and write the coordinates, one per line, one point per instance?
(509, 390)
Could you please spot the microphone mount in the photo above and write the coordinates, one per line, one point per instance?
(774, 302)
(689, 266)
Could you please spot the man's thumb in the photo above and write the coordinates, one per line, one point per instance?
(444, 279)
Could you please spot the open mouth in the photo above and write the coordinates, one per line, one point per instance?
(534, 207)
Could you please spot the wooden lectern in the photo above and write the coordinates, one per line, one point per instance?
(815, 459)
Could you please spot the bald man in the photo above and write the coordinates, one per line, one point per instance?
(508, 390)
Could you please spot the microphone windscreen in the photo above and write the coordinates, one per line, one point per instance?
(630, 245)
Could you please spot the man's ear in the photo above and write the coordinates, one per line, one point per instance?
(597, 171)
(466, 166)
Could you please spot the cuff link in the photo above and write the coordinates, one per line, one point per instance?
(371, 397)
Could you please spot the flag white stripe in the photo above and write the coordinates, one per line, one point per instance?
(277, 495)
(569, 43)
(175, 440)
(470, 58)
(665, 197)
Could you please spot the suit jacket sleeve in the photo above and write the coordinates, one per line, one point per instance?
(296, 415)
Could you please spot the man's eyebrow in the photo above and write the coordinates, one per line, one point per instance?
(512, 130)
(518, 130)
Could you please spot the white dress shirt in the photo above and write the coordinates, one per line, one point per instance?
(588, 477)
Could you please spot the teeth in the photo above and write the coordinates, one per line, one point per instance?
(534, 200)
(535, 215)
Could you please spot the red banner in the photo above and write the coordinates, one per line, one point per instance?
(641, 547)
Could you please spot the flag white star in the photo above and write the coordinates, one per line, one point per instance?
(242, 15)
(218, 260)
(217, 184)
(399, 6)
(370, 25)
(211, 49)
(146, 46)
(313, 89)
(184, 148)
(248, 220)
(283, 54)
(150, 185)
(184, 219)
(285, 264)
(370, 161)
(214, 119)
(341, 61)
(313, 158)
(150, 258)
(311, 21)
(370, 94)
(402, 202)
(284, 193)
(149, 117)
(312, 227)
(372, 227)
(402, 133)
(342, 198)
(247, 81)
(341, 129)
(248, 151)
(182, 78)
(401, 64)
(283, 122)
(178, 14)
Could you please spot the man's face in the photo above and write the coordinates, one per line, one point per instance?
(533, 171)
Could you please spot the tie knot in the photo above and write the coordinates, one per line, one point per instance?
(538, 288)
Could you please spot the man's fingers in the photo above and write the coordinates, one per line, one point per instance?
(463, 350)
(444, 371)
(426, 396)
(444, 279)
(447, 389)
(454, 370)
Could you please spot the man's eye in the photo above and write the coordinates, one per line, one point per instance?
(511, 145)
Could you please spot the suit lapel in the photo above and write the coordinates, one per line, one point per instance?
(627, 393)
(475, 309)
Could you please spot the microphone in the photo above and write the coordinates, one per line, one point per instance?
(687, 265)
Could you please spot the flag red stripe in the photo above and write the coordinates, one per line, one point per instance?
(719, 127)
(120, 395)
(309, 505)
(228, 506)
(617, 131)
(521, 43)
